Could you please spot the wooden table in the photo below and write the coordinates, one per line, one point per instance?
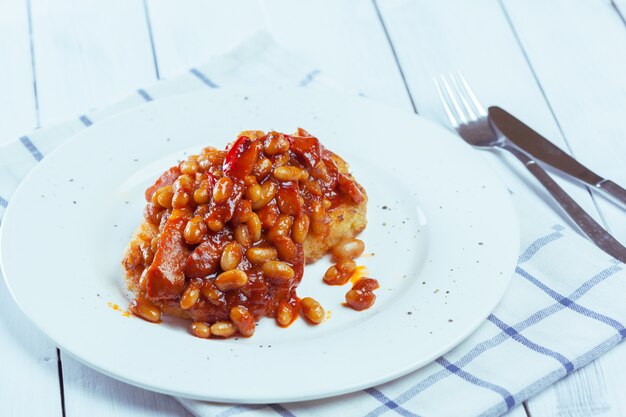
(558, 64)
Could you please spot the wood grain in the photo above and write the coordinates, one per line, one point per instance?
(88, 53)
(573, 48)
(346, 40)
(17, 89)
(189, 33)
(28, 360)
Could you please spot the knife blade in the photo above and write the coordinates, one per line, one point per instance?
(547, 152)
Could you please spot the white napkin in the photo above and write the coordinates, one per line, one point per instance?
(563, 309)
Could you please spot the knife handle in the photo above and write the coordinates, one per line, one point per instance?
(613, 189)
(587, 224)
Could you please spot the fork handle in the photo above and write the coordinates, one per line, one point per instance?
(587, 224)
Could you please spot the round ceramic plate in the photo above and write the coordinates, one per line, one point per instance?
(442, 240)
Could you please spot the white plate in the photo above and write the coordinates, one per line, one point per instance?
(441, 227)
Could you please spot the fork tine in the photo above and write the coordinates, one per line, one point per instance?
(460, 93)
(452, 99)
(444, 102)
(470, 94)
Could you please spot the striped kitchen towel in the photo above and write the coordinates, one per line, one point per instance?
(563, 309)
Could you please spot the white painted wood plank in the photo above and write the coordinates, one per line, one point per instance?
(87, 53)
(90, 393)
(17, 97)
(189, 33)
(28, 364)
(28, 360)
(436, 37)
(576, 49)
(346, 40)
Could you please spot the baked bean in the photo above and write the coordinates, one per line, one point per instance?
(277, 270)
(243, 211)
(268, 192)
(284, 314)
(143, 278)
(144, 309)
(153, 213)
(312, 310)
(268, 215)
(347, 266)
(180, 199)
(319, 227)
(223, 190)
(202, 210)
(313, 187)
(243, 319)
(281, 228)
(288, 173)
(200, 329)
(242, 235)
(231, 280)
(189, 167)
(362, 296)
(326, 203)
(223, 329)
(215, 225)
(190, 297)
(216, 157)
(231, 256)
(212, 294)
(254, 193)
(204, 163)
(252, 134)
(280, 160)
(249, 180)
(202, 195)
(348, 249)
(183, 182)
(163, 196)
(318, 212)
(260, 255)
(300, 228)
(275, 145)
(195, 230)
(262, 169)
(286, 248)
(340, 273)
(254, 227)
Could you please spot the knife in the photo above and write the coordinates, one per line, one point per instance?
(545, 151)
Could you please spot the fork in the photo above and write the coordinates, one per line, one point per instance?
(469, 118)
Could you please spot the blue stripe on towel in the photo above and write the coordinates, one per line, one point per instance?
(390, 404)
(31, 148)
(143, 93)
(508, 398)
(86, 121)
(203, 78)
(567, 364)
